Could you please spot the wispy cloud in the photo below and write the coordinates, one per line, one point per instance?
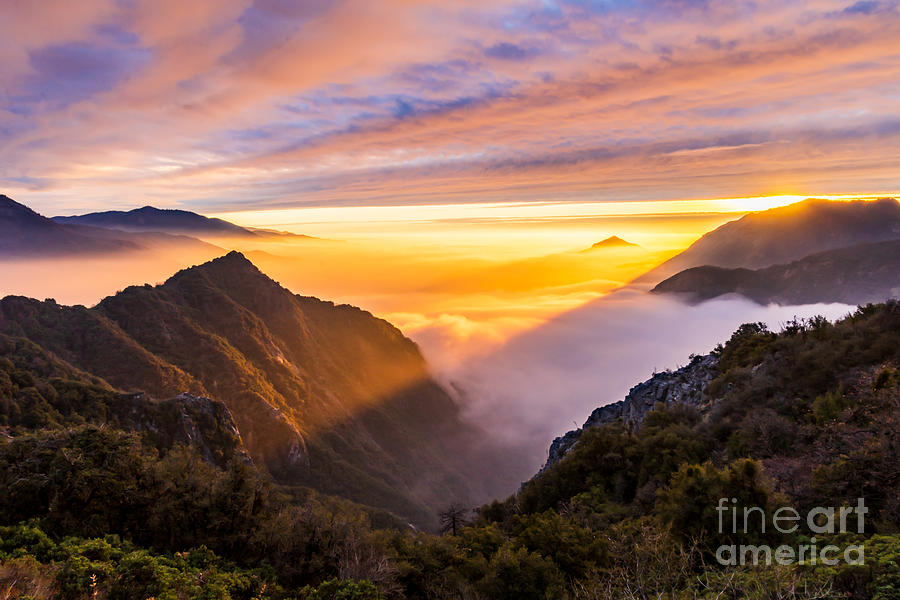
(237, 103)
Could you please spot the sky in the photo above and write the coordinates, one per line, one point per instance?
(236, 106)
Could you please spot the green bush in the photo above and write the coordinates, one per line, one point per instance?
(342, 589)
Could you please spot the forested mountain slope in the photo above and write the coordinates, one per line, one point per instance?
(325, 396)
(804, 417)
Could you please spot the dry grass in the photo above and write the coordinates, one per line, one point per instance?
(25, 578)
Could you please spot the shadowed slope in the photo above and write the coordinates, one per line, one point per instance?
(855, 275)
(149, 218)
(24, 232)
(40, 390)
(27, 234)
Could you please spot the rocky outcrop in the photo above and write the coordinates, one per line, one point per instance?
(201, 423)
(686, 385)
(39, 390)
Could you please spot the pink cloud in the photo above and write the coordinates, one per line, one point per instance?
(349, 102)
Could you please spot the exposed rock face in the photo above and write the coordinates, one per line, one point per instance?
(38, 390)
(196, 421)
(686, 385)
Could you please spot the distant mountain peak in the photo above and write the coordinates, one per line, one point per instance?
(9, 208)
(784, 234)
(612, 241)
(24, 232)
(150, 218)
(163, 212)
(171, 220)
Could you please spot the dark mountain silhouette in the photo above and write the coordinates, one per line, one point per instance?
(149, 218)
(781, 235)
(855, 275)
(324, 396)
(613, 241)
(26, 234)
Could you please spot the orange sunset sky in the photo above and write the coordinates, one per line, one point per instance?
(223, 106)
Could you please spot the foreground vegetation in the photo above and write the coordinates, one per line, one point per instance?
(804, 417)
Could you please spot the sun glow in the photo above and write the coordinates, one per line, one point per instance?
(517, 229)
(292, 218)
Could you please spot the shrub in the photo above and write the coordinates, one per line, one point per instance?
(342, 589)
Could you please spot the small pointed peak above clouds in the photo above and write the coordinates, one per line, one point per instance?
(612, 241)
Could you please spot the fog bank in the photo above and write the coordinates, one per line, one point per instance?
(546, 381)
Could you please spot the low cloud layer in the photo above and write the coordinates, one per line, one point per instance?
(547, 381)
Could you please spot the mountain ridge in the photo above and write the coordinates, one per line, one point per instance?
(324, 395)
(169, 220)
(24, 233)
(39, 389)
(853, 275)
(787, 233)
